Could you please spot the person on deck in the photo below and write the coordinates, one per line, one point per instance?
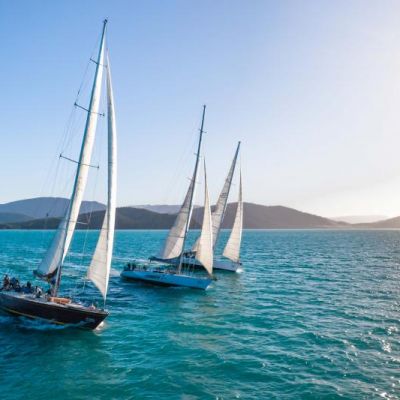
(17, 286)
(13, 282)
(6, 282)
(28, 288)
(38, 292)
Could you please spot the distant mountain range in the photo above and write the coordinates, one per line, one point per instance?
(45, 213)
(391, 223)
(160, 208)
(42, 207)
(360, 219)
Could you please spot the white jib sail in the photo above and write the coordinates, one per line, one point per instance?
(220, 207)
(99, 270)
(59, 247)
(232, 248)
(204, 252)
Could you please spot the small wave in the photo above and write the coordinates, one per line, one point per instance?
(392, 329)
(386, 346)
(5, 320)
(114, 273)
(35, 324)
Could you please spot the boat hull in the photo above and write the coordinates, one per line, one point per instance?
(224, 265)
(227, 265)
(167, 279)
(61, 314)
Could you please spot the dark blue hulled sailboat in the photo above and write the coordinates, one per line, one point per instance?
(51, 307)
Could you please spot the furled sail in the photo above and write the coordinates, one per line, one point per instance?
(220, 207)
(174, 244)
(204, 252)
(62, 239)
(99, 270)
(232, 248)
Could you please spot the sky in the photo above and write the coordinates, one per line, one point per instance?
(311, 88)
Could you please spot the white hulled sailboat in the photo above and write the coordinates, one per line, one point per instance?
(232, 247)
(171, 270)
(233, 263)
(51, 307)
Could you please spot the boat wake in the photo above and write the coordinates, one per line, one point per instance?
(34, 324)
(114, 273)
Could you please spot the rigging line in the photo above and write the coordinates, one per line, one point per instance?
(85, 109)
(68, 128)
(88, 223)
(181, 160)
(47, 181)
(51, 195)
(101, 65)
(83, 84)
(77, 162)
(95, 47)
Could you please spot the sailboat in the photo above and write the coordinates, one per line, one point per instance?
(51, 307)
(170, 269)
(232, 248)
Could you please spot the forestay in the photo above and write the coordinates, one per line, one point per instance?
(99, 270)
(62, 239)
(232, 248)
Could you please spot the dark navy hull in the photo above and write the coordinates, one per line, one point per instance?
(70, 314)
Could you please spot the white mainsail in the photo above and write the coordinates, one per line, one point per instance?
(204, 252)
(232, 248)
(174, 244)
(99, 270)
(59, 247)
(220, 207)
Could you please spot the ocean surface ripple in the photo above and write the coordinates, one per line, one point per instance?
(314, 315)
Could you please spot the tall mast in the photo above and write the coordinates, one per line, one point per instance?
(91, 121)
(194, 182)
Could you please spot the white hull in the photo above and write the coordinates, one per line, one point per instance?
(227, 265)
(224, 265)
(167, 279)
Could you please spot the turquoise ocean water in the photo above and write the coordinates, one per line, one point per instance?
(314, 315)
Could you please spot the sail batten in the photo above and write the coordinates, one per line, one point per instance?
(204, 252)
(99, 270)
(232, 248)
(58, 249)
